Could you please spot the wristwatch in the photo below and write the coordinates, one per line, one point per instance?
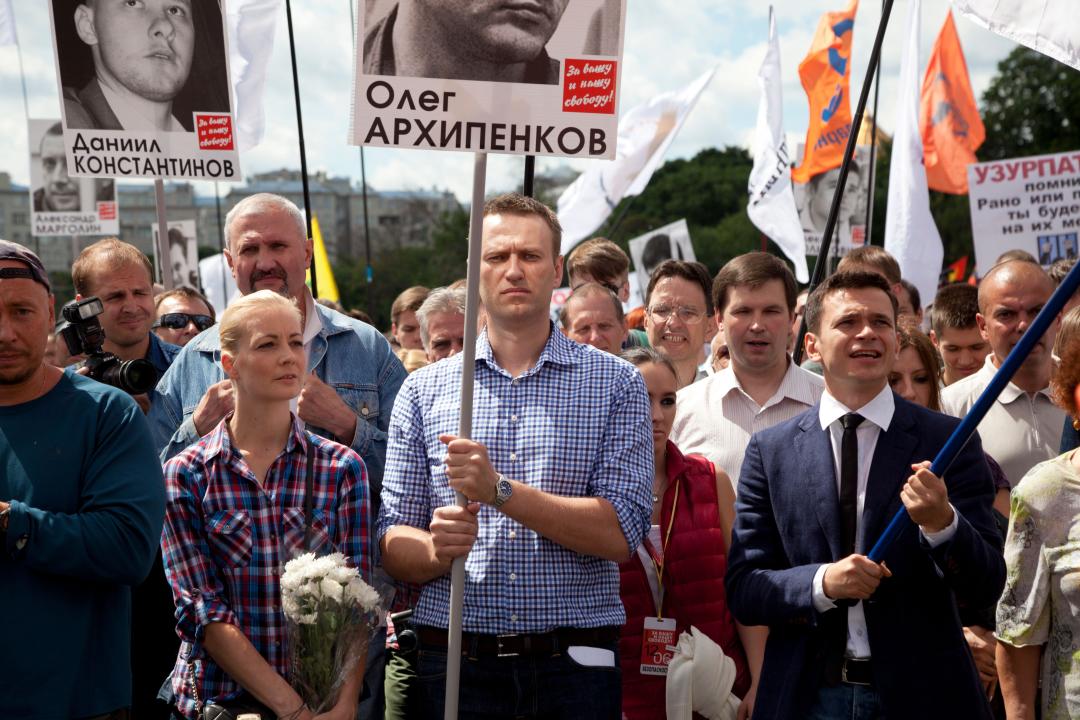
(503, 490)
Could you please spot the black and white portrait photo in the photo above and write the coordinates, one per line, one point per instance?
(59, 202)
(183, 259)
(814, 199)
(492, 40)
(140, 65)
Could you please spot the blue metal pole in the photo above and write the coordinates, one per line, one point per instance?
(1001, 378)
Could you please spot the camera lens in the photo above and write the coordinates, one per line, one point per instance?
(136, 376)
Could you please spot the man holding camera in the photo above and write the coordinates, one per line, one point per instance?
(119, 275)
(81, 506)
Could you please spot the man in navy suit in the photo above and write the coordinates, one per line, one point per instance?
(848, 637)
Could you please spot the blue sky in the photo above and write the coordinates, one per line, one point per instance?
(668, 44)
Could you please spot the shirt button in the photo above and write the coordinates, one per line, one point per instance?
(513, 418)
(513, 456)
(513, 534)
(513, 577)
(513, 618)
(364, 410)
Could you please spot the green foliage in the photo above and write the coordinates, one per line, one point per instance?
(1031, 107)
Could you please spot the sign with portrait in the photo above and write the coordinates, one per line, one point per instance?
(145, 88)
(814, 199)
(183, 260)
(61, 204)
(670, 242)
(1028, 203)
(530, 78)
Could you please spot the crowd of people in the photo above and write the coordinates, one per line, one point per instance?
(652, 492)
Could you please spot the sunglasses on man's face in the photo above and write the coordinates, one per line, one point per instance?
(179, 321)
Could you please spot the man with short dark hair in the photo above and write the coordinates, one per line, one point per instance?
(182, 314)
(910, 301)
(58, 192)
(81, 507)
(815, 494)
(955, 333)
(557, 472)
(142, 58)
(678, 313)
(754, 296)
(601, 261)
(465, 40)
(593, 315)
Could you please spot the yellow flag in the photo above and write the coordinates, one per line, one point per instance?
(327, 286)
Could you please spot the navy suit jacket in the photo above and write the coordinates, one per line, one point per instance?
(788, 524)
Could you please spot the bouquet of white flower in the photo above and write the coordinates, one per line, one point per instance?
(331, 612)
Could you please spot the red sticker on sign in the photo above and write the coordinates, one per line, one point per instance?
(106, 210)
(215, 131)
(589, 86)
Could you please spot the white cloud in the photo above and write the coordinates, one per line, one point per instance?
(668, 45)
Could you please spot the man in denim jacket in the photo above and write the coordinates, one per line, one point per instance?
(355, 375)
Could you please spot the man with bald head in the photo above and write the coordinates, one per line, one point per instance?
(1023, 427)
(466, 40)
(81, 507)
(593, 316)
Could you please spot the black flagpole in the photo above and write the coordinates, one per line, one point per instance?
(849, 153)
(303, 150)
(872, 190)
(530, 174)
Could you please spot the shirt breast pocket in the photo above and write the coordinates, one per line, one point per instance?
(230, 536)
(294, 532)
(364, 401)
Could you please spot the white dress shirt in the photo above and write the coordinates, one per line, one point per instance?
(312, 326)
(877, 415)
(715, 417)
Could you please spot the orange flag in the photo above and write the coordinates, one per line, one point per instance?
(824, 73)
(950, 124)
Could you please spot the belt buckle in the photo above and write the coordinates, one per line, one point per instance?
(499, 645)
(844, 677)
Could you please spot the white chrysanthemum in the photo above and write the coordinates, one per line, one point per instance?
(291, 608)
(331, 589)
(362, 594)
(343, 574)
(307, 619)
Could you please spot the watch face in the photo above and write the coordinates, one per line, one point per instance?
(503, 491)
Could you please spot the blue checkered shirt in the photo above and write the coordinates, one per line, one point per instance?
(577, 424)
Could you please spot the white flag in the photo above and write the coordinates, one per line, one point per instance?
(251, 40)
(645, 133)
(1049, 26)
(8, 35)
(910, 233)
(772, 202)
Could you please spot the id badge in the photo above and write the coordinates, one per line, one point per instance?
(657, 645)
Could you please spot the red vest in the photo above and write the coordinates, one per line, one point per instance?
(694, 564)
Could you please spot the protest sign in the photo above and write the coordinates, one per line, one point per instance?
(59, 203)
(538, 78)
(142, 103)
(814, 198)
(183, 260)
(670, 242)
(1030, 203)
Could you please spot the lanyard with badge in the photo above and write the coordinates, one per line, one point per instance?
(658, 638)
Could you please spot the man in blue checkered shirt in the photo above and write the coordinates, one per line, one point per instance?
(559, 474)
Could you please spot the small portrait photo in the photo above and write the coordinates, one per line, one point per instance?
(183, 253)
(1048, 251)
(814, 198)
(487, 40)
(52, 189)
(140, 65)
(1068, 246)
(670, 242)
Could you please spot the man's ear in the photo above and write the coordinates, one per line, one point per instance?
(934, 340)
(980, 322)
(84, 24)
(810, 345)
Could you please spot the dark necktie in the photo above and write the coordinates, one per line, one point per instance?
(849, 480)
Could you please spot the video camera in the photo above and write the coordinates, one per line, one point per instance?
(83, 334)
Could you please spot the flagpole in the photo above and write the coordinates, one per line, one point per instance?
(530, 176)
(468, 370)
(221, 243)
(22, 77)
(849, 153)
(163, 235)
(872, 190)
(303, 149)
(369, 275)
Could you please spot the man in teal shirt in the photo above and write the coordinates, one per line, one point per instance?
(81, 507)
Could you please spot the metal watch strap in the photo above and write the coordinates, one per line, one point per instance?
(500, 499)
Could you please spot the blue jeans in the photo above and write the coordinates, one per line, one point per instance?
(547, 688)
(846, 702)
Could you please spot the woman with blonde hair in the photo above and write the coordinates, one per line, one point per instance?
(239, 503)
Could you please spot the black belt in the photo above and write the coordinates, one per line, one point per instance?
(547, 644)
(857, 672)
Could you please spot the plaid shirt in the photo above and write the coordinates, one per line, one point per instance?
(227, 538)
(577, 424)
